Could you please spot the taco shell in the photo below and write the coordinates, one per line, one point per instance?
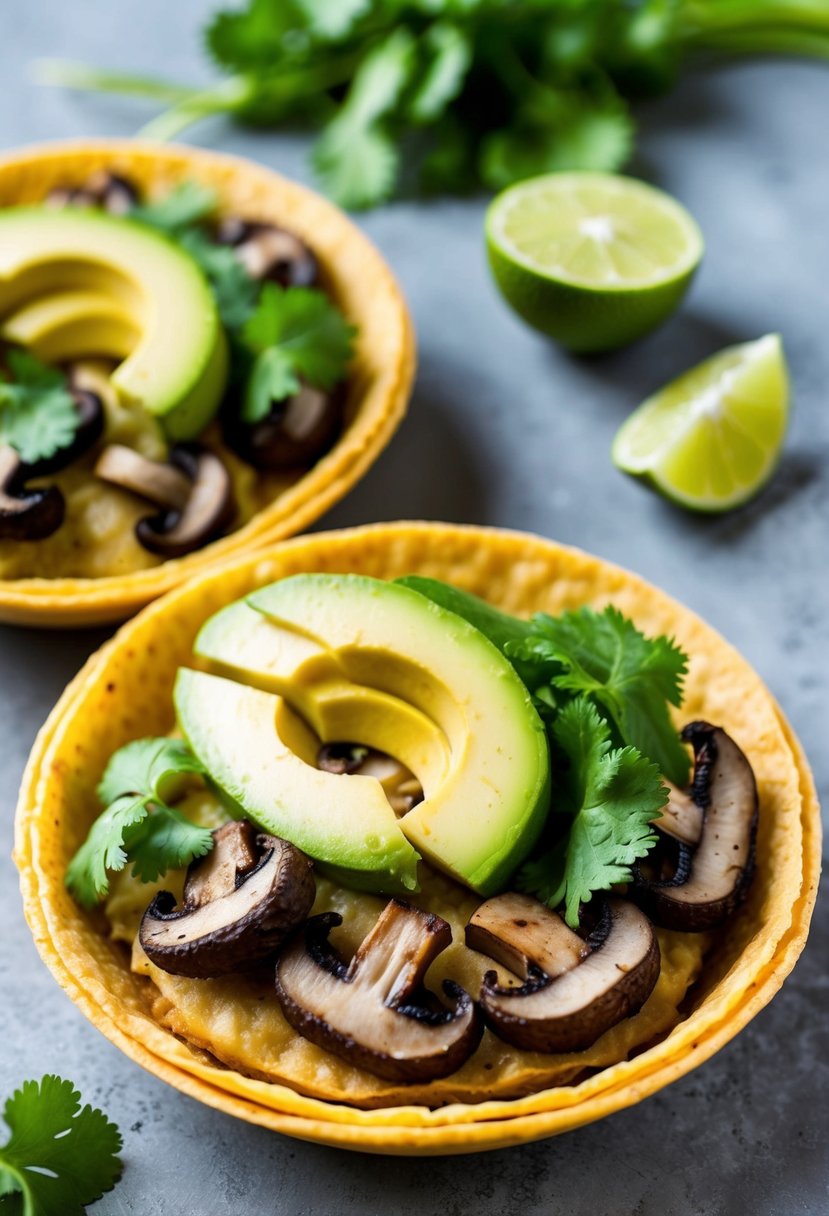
(379, 380)
(710, 985)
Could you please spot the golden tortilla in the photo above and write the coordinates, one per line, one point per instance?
(124, 693)
(120, 576)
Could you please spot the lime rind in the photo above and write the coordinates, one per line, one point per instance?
(712, 438)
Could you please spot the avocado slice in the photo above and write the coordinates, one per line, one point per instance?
(71, 324)
(260, 757)
(488, 792)
(177, 367)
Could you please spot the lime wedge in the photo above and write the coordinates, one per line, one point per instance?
(711, 438)
(592, 259)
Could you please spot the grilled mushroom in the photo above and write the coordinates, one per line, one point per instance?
(194, 489)
(103, 189)
(240, 903)
(372, 1011)
(401, 787)
(574, 990)
(270, 253)
(711, 878)
(296, 431)
(26, 514)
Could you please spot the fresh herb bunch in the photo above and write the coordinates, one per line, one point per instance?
(137, 823)
(603, 689)
(59, 1157)
(479, 91)
(38, 416)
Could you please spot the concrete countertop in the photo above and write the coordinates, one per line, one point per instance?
(505, 429)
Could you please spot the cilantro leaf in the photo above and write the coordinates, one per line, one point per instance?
(148, 767)
(234, 289)
(633, 678)
(137, 824)
(166, 840)
(357, 165)
(612, 796)
(252, 37)
(450, 54)
(331, 19)
(295, 332)
(187, 203)
(38, 416)
(355, 156)
(59, 1157)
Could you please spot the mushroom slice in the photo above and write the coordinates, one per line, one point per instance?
(400, 786)
(711, 879)
(615, 975)
(194, 489)
(296, 431)
(521, 933)
(26, 514)
(681, 818)
(162, 484)
(270, 253)
(103, 189)
(373, 1011)
(240, 903)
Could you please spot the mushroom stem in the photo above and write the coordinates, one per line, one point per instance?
(159, 483)
(372, 1012)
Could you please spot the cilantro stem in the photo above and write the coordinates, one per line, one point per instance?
(63, 73)
(230, 95)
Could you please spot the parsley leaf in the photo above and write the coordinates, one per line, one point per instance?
(632, 678)
(38, 416)
(612, 795)
(137, 824)
(59, 1157)
(330, 19)
(295, 332)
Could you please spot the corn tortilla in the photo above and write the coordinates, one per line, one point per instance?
(124, 693)
(275, 505)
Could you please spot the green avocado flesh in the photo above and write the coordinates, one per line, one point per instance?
(164, 326)
(348, 658)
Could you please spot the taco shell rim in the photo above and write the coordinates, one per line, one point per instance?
(380, 380)
(520, 573)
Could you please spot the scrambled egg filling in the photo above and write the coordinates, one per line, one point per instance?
(238, 1020)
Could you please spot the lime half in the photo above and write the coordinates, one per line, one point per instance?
(592, 259)
(711, 438)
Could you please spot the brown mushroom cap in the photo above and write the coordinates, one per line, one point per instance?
(159, 483)
(270, 253)
(711, 879)
(26, 514)
(240, 903)
(297, 431)
(568, 1012)
(521, 933)
(372, 1012)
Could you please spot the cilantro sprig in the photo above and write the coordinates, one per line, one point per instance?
(138, 824)
(602, 689)
(611, 795)
(462, 92)
(59, 1157)
(294, 332)
(38, 416)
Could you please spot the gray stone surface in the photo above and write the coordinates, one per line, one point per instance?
(504, 429)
